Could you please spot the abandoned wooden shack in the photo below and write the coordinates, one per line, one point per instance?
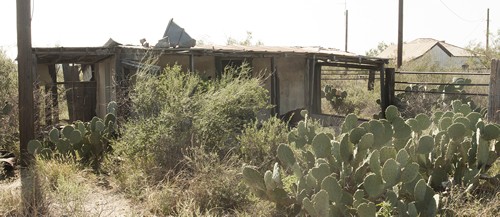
(94, 76)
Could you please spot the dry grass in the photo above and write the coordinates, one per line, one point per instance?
(10, 197)
(460, 203)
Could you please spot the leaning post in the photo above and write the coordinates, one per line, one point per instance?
(494, 94)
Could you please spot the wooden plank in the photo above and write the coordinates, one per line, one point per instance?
(494, 95)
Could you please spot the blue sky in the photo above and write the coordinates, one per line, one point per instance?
(274, 22)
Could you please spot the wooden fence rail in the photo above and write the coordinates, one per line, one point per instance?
(388, 82)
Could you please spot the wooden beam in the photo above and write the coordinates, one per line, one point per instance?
(349, 65)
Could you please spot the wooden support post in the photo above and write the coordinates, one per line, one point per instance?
(191, 63)
(494, 95)
(383, 90)
(389, 83)
(53, 95)
(316, 102)
(311, 64)
(371, 79)
(274, 88)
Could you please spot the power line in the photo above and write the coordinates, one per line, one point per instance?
(456, 14)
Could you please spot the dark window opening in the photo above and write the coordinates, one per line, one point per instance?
(233, 65)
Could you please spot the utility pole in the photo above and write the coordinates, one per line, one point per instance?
(346, 27)
(29, 188)
(400, 35)
(487, 28)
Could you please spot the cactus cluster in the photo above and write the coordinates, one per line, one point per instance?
(334, 96)
(401, 162)
(86, 141)
(456, 87)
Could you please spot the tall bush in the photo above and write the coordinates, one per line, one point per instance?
(8, 103)
(174, 110)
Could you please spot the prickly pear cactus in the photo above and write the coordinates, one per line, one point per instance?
(87, 142)
(402, 162)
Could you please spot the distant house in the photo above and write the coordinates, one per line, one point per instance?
(432, 51)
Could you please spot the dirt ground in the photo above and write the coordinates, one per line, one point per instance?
(102, 199)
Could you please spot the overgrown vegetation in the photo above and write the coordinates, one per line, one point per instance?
(182, 151)
(392, 166)
(8, 104)
(184, 136)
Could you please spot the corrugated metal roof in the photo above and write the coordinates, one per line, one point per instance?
(274, 49)
(418, 47)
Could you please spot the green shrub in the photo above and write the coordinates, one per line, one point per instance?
(174, 110)
(259, 140)
(8, 104)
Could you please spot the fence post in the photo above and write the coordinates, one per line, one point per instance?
(387, 88)
(389, 82)
(494, 95)
(383, 91)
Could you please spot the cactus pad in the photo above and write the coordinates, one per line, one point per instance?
(409, 172)
(34, 146)
(350, 122)
(366, 141)
(54, 135)
(330, 184)
(356, 134)
(253, 178)
(367, 210)
(321, 145)
(402, 157)
(373, 185)
(391, 113)
(456, 131)
(286, 156)
(425, 145)
(390, 173)
(490, 132)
